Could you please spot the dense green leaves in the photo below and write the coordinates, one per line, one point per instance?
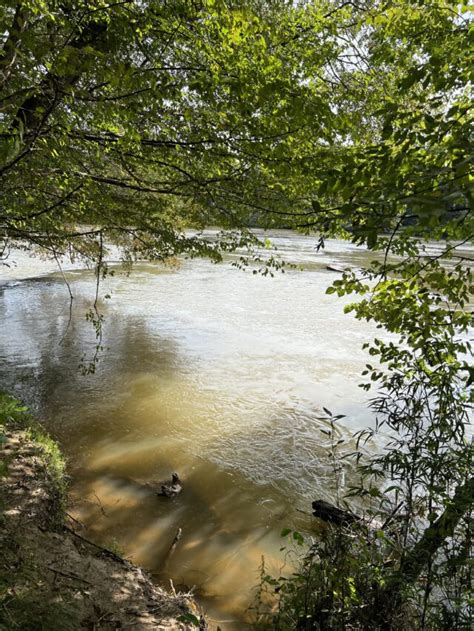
(144, 118)
(127, 122)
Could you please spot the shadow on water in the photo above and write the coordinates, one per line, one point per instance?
(145, 414)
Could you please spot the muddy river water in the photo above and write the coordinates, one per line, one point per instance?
(209, 371)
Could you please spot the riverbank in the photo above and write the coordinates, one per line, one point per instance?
(51, 576)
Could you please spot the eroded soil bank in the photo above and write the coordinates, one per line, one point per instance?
(51, 577)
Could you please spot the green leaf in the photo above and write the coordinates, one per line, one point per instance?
(189, 617)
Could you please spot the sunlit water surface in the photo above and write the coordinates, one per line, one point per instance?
(214, 373)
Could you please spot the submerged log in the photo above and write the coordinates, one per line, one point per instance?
(333, 515)
(172, 487)
(340, 517)
(177, 537)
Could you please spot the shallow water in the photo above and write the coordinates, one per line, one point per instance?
(215, 373)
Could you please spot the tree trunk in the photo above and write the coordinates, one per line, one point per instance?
(435, 535)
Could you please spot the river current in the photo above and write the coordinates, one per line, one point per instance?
(215, 373)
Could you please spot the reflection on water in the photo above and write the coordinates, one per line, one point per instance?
(211, 372)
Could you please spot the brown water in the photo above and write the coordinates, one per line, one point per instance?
(215, 373)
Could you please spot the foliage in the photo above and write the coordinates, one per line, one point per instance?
(406, 563)
(141, 118)
(413, 177)
(410, 182)
(336, 586)
(127, 122)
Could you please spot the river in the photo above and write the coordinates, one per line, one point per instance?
(215, 373)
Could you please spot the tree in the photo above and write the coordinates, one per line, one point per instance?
(128, 121)
(410, 183)
(414, 183)
(140, 119)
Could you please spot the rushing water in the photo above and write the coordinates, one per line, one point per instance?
(215, 373)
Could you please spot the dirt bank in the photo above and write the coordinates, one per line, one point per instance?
(51, 578)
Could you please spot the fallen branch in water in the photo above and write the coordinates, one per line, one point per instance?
(340, 517)
(334, 515)
(177, 537)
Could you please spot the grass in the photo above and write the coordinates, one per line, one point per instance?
(15, 415)
(22, 605)
(26, 612)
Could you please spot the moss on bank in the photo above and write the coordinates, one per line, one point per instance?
(51, 577)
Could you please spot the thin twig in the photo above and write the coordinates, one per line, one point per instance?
(74, 577)
(71, 296)
(105, 551)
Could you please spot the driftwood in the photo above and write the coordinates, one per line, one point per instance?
(334, 515)
(171, 488)
(171, 549)
(177, 537)
(340, 517)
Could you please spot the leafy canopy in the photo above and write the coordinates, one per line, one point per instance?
(129, 121)
(142, 118)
